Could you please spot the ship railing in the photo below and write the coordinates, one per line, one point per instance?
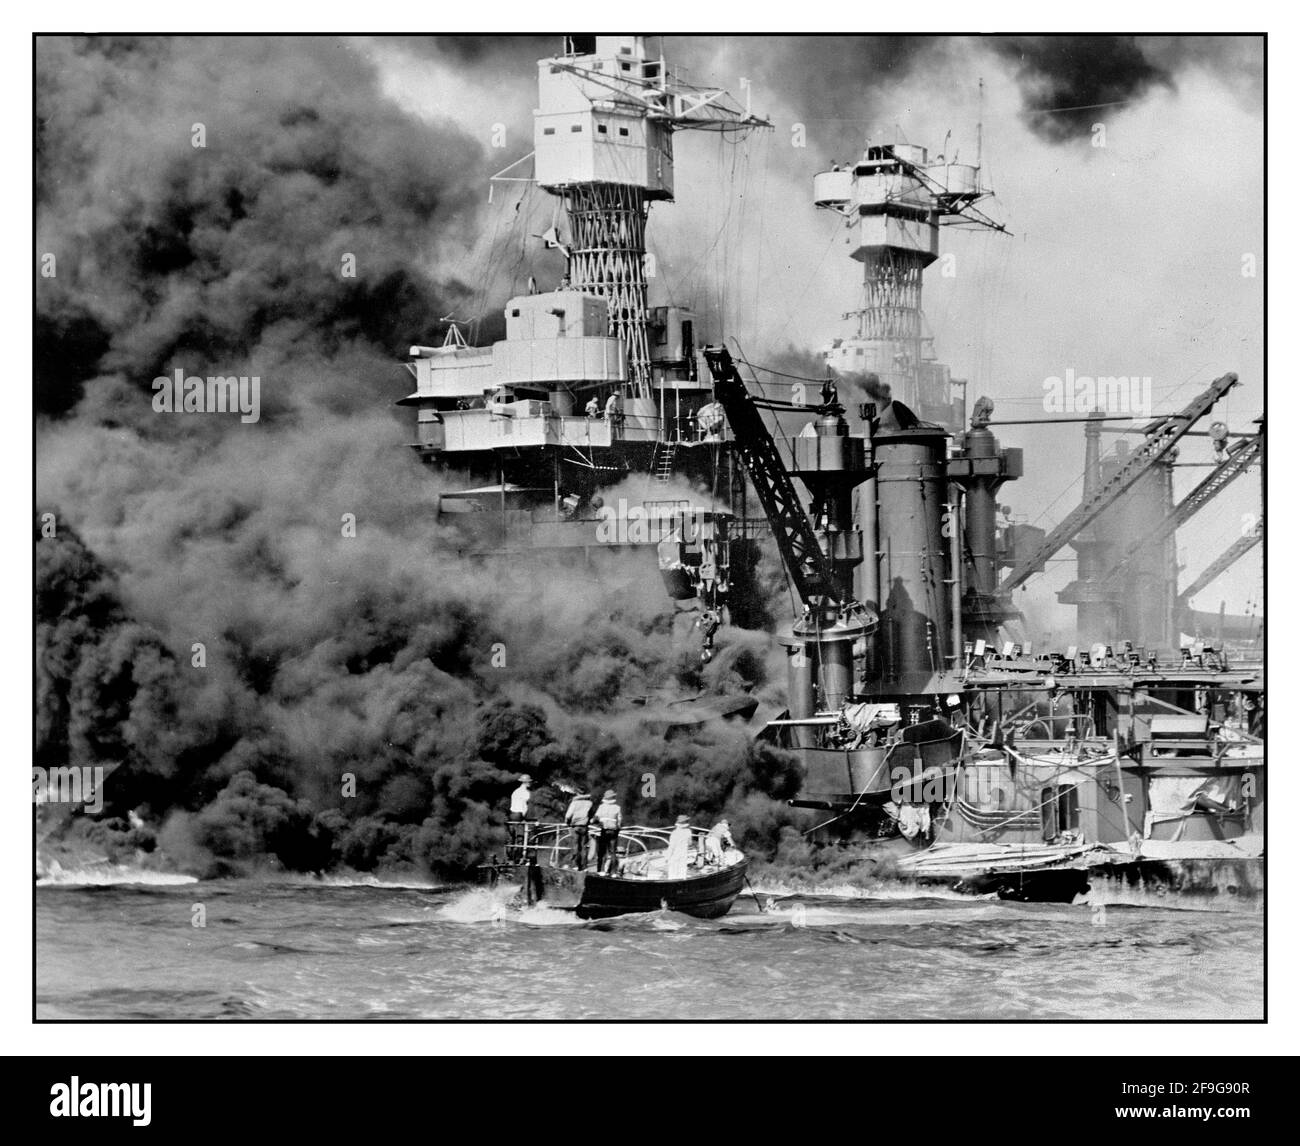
(556, 842)
(549, 839)
(650, 842)
(1057, 726)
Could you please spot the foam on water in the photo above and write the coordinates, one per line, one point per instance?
(542, 916)
(501, 905)
(479, 905)
(364, 879)
(662, 923)
(904, 891)
(109, 875)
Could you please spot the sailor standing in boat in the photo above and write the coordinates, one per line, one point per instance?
(578, 817)
(679, 848)
(718, 841)
(519, 814)
(609, 816)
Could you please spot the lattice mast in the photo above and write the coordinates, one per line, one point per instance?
(603, 131)
(894, 199)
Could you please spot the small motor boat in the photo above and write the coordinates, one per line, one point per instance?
(548, 867)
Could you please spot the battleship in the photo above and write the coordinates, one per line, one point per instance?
(934, 728)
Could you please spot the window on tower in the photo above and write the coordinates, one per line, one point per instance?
(575, 127)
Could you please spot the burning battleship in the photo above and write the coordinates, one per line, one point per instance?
(928, 721)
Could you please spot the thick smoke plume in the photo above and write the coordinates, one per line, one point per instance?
(1064, 80)
(1070, 83)
(231, 253)
(261, 628)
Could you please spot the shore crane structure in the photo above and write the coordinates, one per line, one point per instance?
(1238, 458)
(1221, 564)
(1161, 438)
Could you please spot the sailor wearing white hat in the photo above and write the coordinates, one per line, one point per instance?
(679, 848)
(610, 818)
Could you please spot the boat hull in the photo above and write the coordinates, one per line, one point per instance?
(707, 896)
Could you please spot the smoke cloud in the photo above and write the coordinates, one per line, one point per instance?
(268, 683)
(231, 253)
(1068, 83)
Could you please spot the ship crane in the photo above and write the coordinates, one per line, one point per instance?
(810, 571)
(1161, 437)
(1239, 458)
(824, 642)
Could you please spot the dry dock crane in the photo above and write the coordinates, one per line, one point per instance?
(1240, 457)
(1162, 436)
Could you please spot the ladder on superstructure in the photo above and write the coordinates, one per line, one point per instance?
(664, 457)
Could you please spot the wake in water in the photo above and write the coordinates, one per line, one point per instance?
(501, 905)
(480, 905)
(365, 879)
(539, 915)
(107, 875)
(853, 891)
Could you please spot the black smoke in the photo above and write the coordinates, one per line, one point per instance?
(837, 84)
(1069, 83)
(261, 628)
(232, 255)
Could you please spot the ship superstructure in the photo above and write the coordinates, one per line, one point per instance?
(993, 766)
(592, 382)
(893, 201)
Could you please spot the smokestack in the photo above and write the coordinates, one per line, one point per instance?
(915, 631)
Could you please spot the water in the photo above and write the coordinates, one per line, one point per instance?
(363, 950)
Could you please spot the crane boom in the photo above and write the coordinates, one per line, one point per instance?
(1224, 561)
(811, 572)
(1160, 438)
(1239, 459)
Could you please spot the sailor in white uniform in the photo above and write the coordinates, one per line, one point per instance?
(718, 841)
(519, 813)
(679, 848)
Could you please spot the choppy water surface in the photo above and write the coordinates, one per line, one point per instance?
(340, 951)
